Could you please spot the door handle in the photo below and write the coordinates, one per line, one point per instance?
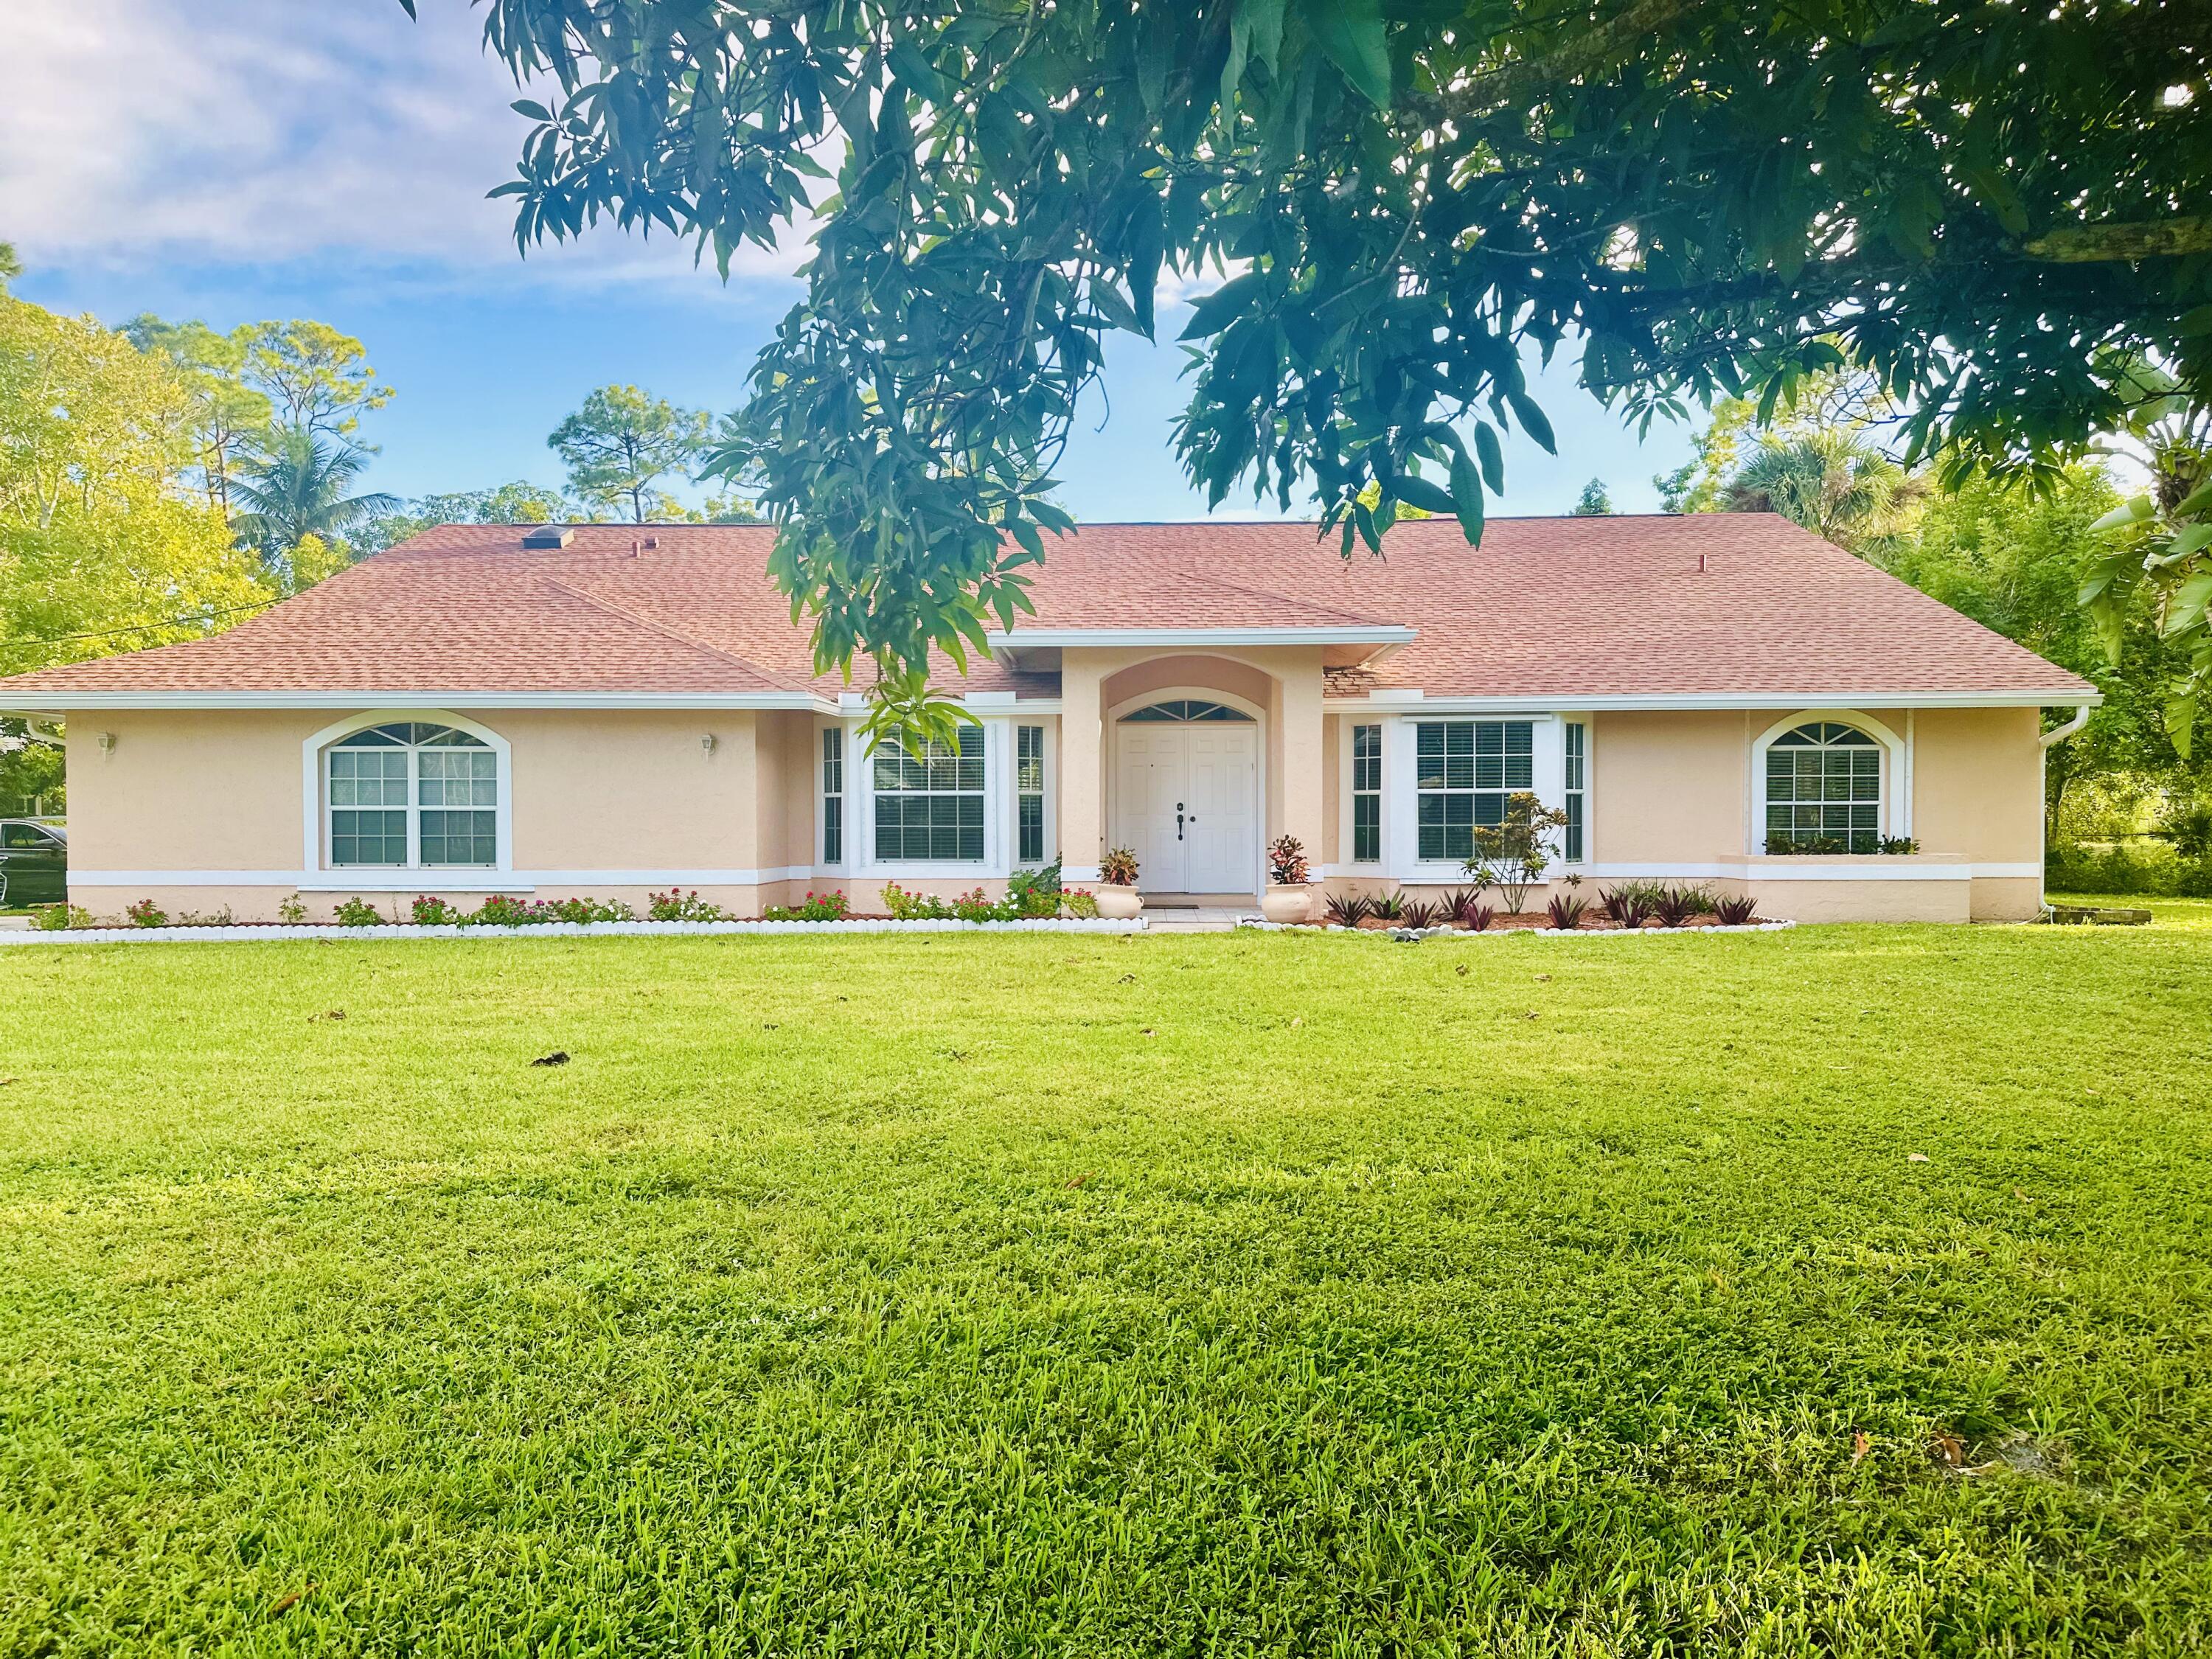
(1178, 820)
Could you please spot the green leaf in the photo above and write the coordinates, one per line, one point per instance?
(1494, 457)
(1417, 492)
(2186, 609)
(1532, 419)
(2130, 512)
(2188, 542)
(1106, 296)
(1351, 32)
(533, 108)
(1215, 312)
(2181, 719)
(1467, 490)
(2197, 501)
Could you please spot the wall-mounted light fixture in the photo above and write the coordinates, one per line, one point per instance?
(707, 742)
(107, 743)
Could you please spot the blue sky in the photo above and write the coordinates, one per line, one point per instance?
(233, 160)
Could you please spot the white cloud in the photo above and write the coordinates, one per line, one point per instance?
(263, 131)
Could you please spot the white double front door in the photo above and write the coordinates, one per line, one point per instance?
(1185, 805)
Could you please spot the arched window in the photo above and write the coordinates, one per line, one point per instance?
(412, 795)
(1183, 710)
(1824, 790)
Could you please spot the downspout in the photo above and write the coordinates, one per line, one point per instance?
(2058, 734)
(2048, 741)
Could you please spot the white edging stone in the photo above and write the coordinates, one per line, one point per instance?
(1409, 934)
(337, 935)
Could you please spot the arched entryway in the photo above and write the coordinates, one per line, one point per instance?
(1186, 796)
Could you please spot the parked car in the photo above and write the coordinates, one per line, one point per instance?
(33, 862)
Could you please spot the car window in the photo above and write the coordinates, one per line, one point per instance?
(24, 835)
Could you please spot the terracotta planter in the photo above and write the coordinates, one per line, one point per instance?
(1117, 903)
(1284, 903)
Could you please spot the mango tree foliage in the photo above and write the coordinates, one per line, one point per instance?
(104, 546)
(1987, 205)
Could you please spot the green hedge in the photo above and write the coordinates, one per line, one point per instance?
(2157, 874)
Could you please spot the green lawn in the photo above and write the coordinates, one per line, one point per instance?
(1026, 1295)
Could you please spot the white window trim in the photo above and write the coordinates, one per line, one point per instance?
(824, 864)
(1587, 790)
(996, 863)
(1050, 786)
(315, 807)
(1402, 862)
(1347, 778)
(1896, 813)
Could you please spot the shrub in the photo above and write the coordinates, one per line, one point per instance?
(2158, 874)
(146, 913)
(591, 910)
(427, 912)
(1035, 892)
(1081, 903)
(677, 905)
(56, 918)
(1462, 902)
(1897, 845)
(1566, 911)
(358, 912)
(1478, 917)
(1512, 855)
(1118, 868)
(1736, 912)
(975, 906)
(1817, 845)
(1628, 904)
(2188, 831)
(1675, 905)
(1286, 862)
(914, 907)
(1348, 909)
(1418, 914)
(220, 917)
(816, 907)
(1387, 907)
(292, 911)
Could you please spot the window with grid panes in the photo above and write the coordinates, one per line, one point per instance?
(1824, 788)
(410, 795)
(1028, 794)
(833, 795)
(930, 806)
(1463, 770)
(1366, 795)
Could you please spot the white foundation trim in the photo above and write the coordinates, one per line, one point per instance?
(1630, 702)
(1790, 868)
(368, 880)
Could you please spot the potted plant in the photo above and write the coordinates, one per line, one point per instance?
(1117, 884)
(1289, 896)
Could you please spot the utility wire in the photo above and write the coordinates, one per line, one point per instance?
(136, 628)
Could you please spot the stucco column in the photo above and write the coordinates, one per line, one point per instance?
(1303, 749)
(1082, 803)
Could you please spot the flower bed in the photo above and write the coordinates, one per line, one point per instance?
(333, 931)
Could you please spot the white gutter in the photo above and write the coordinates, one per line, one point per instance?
(2058, 734)
(1413, 702)
(63, 703)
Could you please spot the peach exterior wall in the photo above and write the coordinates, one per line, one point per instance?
(221, 791)
(624, 791)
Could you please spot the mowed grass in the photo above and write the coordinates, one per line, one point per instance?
(1048, 1294)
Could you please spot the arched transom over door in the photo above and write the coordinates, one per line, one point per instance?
(1185, 800)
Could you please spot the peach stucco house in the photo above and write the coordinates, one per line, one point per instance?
(613, 709)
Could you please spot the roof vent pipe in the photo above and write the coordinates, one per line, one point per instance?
(1701, 564)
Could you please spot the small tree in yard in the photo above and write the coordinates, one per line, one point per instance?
(1512, 855)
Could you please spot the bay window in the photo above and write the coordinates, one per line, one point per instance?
(930, 807)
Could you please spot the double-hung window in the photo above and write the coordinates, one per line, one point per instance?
(1577, 745)
(1028, 794)
(1463, 771)
(930, 806)
(1366, 795)
(412, 795)
(833, 794)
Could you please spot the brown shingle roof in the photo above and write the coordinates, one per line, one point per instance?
(1546, 608)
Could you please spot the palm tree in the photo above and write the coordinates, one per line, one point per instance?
(1833, 483)
(297, 489)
